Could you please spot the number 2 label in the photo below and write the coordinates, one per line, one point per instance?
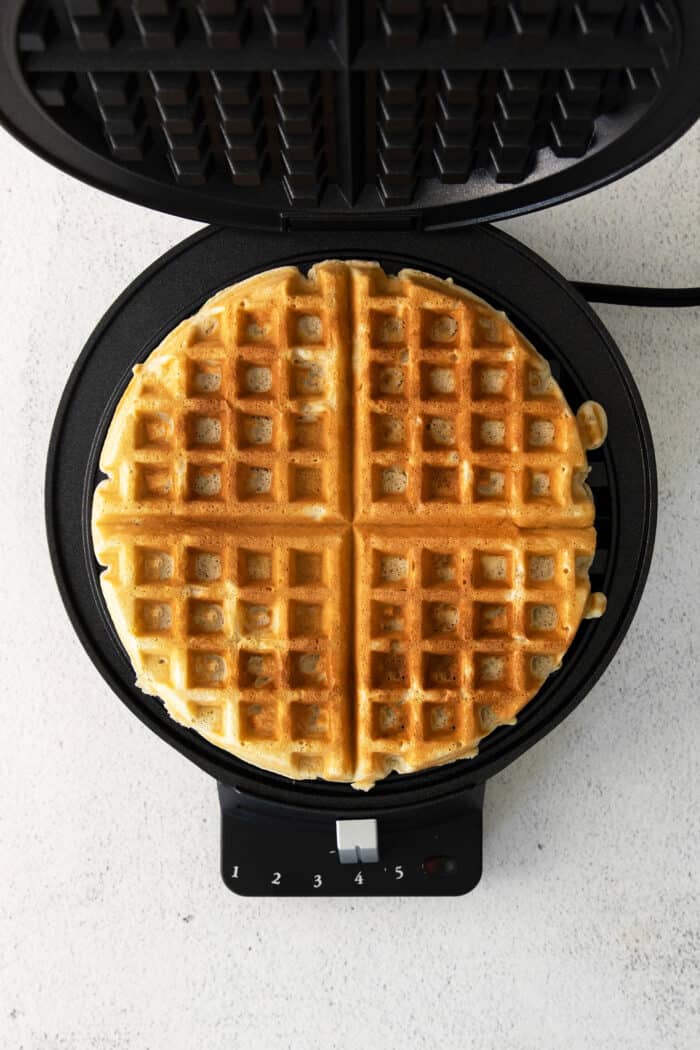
(276, 878)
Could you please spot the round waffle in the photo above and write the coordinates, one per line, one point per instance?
(345, 522)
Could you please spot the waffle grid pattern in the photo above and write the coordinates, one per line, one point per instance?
(315, 631)
(247, 420)
(224, 627)
(219, 122)
(462, 629)
(464, 426)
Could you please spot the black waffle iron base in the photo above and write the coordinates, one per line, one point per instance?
(412, 834)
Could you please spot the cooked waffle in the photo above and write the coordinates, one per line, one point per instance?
(458, 418)
(241, 634)
(241, 413)
(456, 630)
(345, 522)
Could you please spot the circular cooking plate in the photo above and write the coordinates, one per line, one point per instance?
(539, 301)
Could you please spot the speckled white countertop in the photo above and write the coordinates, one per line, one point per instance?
(116, 932)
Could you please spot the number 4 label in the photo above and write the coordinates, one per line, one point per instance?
(359, 878)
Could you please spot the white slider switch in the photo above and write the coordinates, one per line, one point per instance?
(357, 841)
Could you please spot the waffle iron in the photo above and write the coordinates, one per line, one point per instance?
(381, 129)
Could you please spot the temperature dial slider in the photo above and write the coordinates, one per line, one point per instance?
(357, 841)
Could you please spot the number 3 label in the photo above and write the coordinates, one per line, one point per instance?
(318, 881)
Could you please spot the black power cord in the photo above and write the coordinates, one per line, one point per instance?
(628, 295)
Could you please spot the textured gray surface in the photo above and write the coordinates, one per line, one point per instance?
(116, 931)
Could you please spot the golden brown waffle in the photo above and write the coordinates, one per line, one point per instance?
(456, 630)
(242, 412)
(242, 635)
(458, 419)
(345, 523)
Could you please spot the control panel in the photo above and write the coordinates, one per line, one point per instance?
(429, 849)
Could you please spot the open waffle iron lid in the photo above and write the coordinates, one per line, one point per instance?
(294, 114)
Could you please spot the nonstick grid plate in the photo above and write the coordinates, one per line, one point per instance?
(595, 641)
